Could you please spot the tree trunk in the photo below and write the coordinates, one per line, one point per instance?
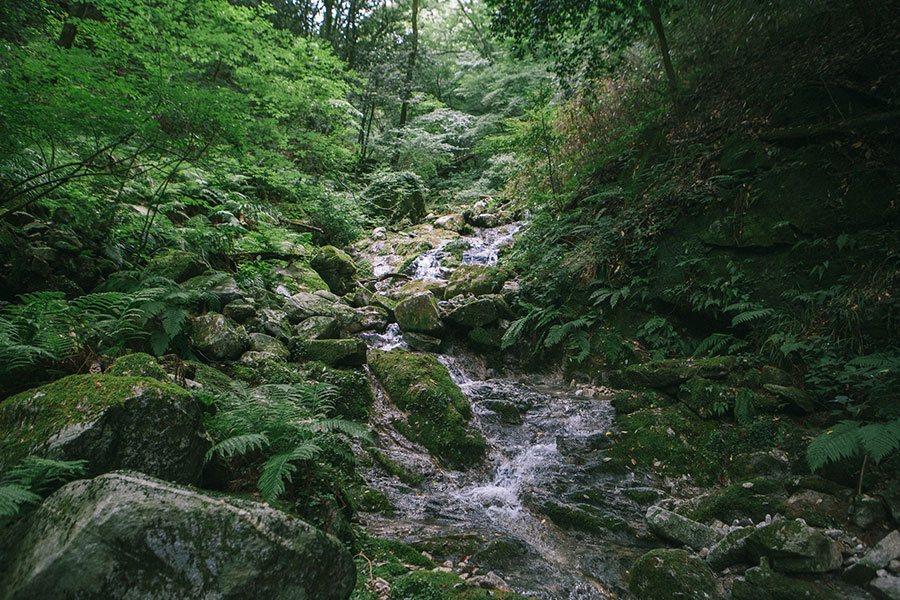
(67, 35)
(411, 65)
(327, 19)
(486, 48)
(656, 18)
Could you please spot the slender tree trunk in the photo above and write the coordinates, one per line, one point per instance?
(350, 33)
(484, 43)
(327, 19)
(656, 18)
(411, 65)
(67, 35)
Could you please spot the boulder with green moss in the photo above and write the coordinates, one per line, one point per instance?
(354, 397)
(349, 352)
(110, 422)
(177, 265)
(336, 268)
(672, 575)
(762, 583)
(419, 314)
(794, 547)
(752, 499)
(437, 411)
(304, 305)
(678, 529)
(318, 328)
(422, 342)
(239, 311)
(476, 280)
(730, 550)
(368, 318)
(296, 277)
(477, 313)
(126, 535)
(260, 342)
(668, 374)
(215, 338)
(138, 364)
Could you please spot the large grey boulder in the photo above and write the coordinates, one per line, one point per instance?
(368, 318)
(260, 342)
(336, 268)
(304, 305)
(477, 313)
(349, 353)
(318, 328)
(794, 547)
(110, 422)
(730, 550)
(214, 337)
(681, 530)
(419, 314)
(126, 535)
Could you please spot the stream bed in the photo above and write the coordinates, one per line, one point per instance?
(542, 510)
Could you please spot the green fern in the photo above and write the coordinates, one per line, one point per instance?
(29, 481)
(850, 438)
(238, 444)
(280, 468)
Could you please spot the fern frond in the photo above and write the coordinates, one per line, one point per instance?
(280, 468)
(841, 441)
(13, 497)
(880, 439)
(751, 315)
(354, 430)
(239, 444)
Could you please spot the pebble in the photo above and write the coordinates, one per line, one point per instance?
(834, 533)
(747, 484)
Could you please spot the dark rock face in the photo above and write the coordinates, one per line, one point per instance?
(111, 422)
(419, 314)
(217, 339)
(672, 574)
(126, 535)
(336, 268)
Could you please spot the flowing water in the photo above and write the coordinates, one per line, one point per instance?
(545, 456)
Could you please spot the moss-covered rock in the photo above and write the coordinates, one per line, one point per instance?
(239, 311)
(730, 550)
(397, 195)
(582, 517)
(486, 339)
(368, 318)
(793, 547)
(128, 535)
(476, 280)
(628, 401)
(477, 313)
(304, 305)
(138, 364)
(668, 374)
(110, 422)
(816, 508)
(354, 390)
(762, 583)
(438, 413)
(260, 342)
(675, 528)
(752, 499)
(672, 575)
(336, 268)
(419, 314)
(796, 400)
(318, 328)
(177, 265)
(348, 353)
(215, 338)
(422, 342)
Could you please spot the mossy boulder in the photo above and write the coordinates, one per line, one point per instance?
(126, 535)
(672, 575)
(437, 411)
(730, 550)
(582, 517)
(794, 547)
(318, 328)
(295, 277)
(683, 531)
(628, 401)
(419, 314)
(762, 583)
(349, 352)
(304, 305)
(752, 499)
(669, 374)
(476, 280)
(486, 339)
(239, 311)
(368, 318)
(397, 195)
(477, 313)
(816, 508)
(336, 268)
(266, 344)
(110, 422)
(354, 390)
(422, 342)
(177, 265)
(138, 364)
(215, 338)
(796, 400)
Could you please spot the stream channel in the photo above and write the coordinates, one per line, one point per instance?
(545, 461)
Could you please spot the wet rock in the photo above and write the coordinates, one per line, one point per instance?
(476, 280)
(507, 411)
(437, 411)
(476, 313)
(762, 583)
(275, 323)
(177, 265)
(111, 422)
(816, 508)
(680, 530)
(672, 575)
(138, 364)
(215, 338)
(490, 581)
(879, 557)
(318, 328)
(793, 547)
(583, 517)
(886, 587)
(227, 291)
(452, 222)
(369, 318)
(796, 400)
(350, 352)
(74, 546)
(486, 338)
(419, 314)
(666, 374)
(336, 268)
(422, 342)
(296, 277)
(730, 550)
(260, 342)
(239, 312)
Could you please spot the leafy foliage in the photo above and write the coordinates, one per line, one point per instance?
(29, 481)
(851, 438)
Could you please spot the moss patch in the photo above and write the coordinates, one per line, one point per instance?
(762, 497)
(137, 365)
(438, 413)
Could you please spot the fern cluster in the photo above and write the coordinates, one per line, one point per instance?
(286, 424)
(852, 438)
(28, 482)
